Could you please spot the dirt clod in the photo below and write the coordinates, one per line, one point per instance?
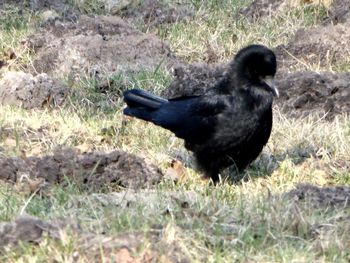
(260, 8)
(125, 247)
(153, 13)
(29, 229)
(97, 46)
(304, 93)
(323, 45)
(28, 91)
(193, 79)
(93, 170)
(339, 12)
(336, 196)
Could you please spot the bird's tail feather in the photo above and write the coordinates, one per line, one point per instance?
(138, 98)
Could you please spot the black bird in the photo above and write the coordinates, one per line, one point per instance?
(229, 124)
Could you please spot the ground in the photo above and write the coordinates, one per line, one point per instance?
(80, 182)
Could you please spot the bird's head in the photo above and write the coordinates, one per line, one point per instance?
(255, 66)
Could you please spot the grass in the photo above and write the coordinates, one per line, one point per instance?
(15, 24)
(191, 40)
(247, 221)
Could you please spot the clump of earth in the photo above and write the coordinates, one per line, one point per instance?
(194, 79)
(123, 247)
(323, 94)
(320, 197)
(92, 171)
(28, 91)
(261, 8)
(152, 13)
(63, 7)
(97, 46)
(30, 229)
(338, 10)
(323, 46)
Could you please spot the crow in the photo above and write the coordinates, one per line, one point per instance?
(230, 123)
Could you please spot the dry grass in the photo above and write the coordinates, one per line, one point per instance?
(244, 222)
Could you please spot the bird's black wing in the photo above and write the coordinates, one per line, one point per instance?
(238, 126)
(191, 118)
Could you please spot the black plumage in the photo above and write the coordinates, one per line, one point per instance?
(229, 124)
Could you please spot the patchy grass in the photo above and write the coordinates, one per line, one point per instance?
(205, 34)
(247, 221)
(15, 24)
(95, 7)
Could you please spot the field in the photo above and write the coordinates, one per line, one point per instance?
(291, 205)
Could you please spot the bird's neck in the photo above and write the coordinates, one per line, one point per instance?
(260, 97)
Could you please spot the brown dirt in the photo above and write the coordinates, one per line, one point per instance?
(126, 247)
(92, 171)
(130, 248)
(301, 93)
(320, 197)
(129, 199)
(153, 13)
(339, 12)
(304, 93)
(337, 9)
(193, 79)
(30, 229)
(260, 8)
(63, 7)
(323, 46)
(97, 46)
(24, 90)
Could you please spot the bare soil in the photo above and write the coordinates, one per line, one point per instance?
(93, 171)
(261, 8)
(338, 10)
(326, 44)
(97, 46)
(194, 79)
(321, 197)
(28, 91)
(323, 94)
(30, 229)
(127, 247)
(63, 7)
(152, 13)
(323, 45)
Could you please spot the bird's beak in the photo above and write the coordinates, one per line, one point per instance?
(269, 80)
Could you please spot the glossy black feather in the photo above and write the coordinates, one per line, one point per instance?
(227, 126)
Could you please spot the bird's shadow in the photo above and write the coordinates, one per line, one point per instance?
(264, 166)
(268, 163)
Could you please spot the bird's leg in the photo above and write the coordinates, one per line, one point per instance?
(211, 175)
